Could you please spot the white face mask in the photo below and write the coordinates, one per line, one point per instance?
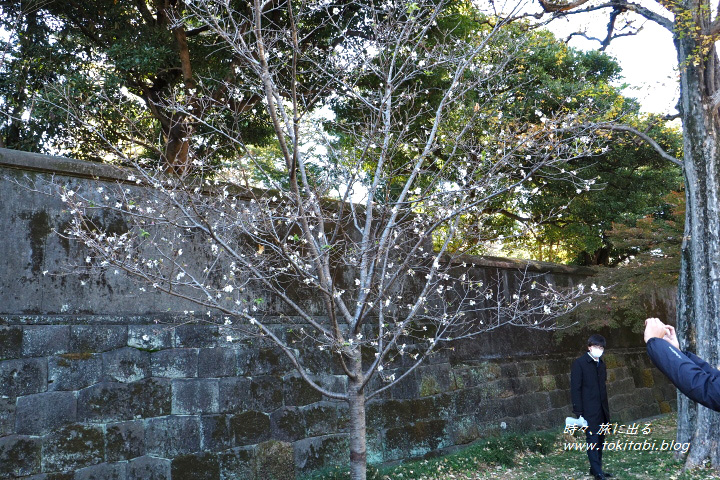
(596, 352)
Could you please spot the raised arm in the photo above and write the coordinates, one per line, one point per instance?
(690, 374)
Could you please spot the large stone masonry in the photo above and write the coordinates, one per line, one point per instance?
(99, 381)
(113, 400)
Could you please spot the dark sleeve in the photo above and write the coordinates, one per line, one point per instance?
(576, 387)
(700, 362)
(690, 374)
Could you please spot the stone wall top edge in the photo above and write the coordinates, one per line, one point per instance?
(71, 167)
(487, 261)
(161, 319)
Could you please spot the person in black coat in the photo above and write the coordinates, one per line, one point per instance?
(588, 391)
(693, 376)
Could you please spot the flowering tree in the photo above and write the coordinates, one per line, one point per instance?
(345, 219)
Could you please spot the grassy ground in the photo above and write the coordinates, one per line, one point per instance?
(543, 456)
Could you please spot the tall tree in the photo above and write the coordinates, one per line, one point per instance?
(346, 223)
(646, 270)
(695, 27)
(630, 181)
(550, 79)
(547, 79)
(131, 62)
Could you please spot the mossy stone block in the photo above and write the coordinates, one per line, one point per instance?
(44, 340)
(288, 424)
(249, 427)
(547, 382)
(542, 368)
(150, 337)
(239, 464)
(126, 365)
(215, 433)
(97, 338)
(406, 389)
(427, 436)
(466, 430)
(217, 362)
(104, 471)
(613, 360)
(320, 419)
(175, 363)
(23, 377)
(298, 392)
(105, 402)
(171, 436)
(125, 440)
(7, 416)
(10, 342)
(269, 361)
(74, 371)
(647, 378)
(429, 386)
(19, 455)
(559, 398)
(196, 336)
(73, 447)
(191, 396)
(113, 401)
(43, 412)
(148, 468)
(196, 466)
(275, 460)
(467, 401)
(403, 412)
(395, 444)
(266, 393)
(314, 453)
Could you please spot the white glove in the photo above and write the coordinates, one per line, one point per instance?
(577, 422)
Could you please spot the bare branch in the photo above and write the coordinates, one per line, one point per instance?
(646, 138)
(561, 11)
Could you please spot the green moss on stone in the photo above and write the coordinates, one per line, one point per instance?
(72, 447)
(197, 466)
(466, 430)
(548, 383)
(542, 368)
(429, 386)
(275, 460)
(19, 456)
(647, 378)
(458, 383)
(250, 427)
(487, 371)
(612, 361)
(77, 356)
(10, 342)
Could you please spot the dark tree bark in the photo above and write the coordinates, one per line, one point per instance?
(699, 287)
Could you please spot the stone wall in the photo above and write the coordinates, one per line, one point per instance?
(99, 381)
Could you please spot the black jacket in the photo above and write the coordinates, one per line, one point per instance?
(588, 390)
(688, 372)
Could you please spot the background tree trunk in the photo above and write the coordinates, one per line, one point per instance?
(356, 401)
(699, 284)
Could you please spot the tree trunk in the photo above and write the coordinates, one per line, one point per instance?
(699, 284)
(356, 402)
